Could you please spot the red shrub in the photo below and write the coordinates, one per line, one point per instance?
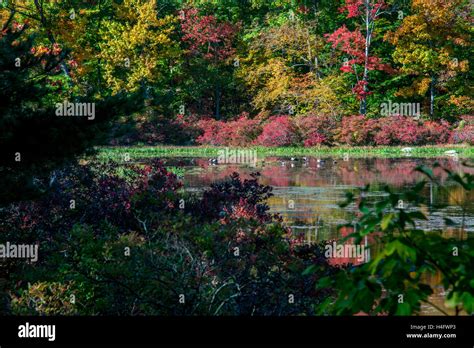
(313, 130)
(243, 130)
(315, 139)
(396, 130)
(234, 198)
(467, 119)
(464, 135)
(316, 129)
(357, 130)
(436, 133)
(240, 132)
(214, 132)
(399, 130)
(279, 131)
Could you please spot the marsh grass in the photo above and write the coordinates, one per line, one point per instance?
(137, 152)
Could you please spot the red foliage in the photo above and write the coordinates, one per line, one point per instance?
(244, 130)
(349, 42)
(240, 132)
(398, 130)
(315, 139)
(241, 210)
(206, 36)
(357, 130)
(279, 131)
(360, 89)
(316, 129)
(401, 130)
(355, 8)
(234, 199)
(309, 130)
(44, 50)
(464, 135)
(353, 43)
(436, 133)
(100, 195)
(213, 132)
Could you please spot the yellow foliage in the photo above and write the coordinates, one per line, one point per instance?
(419, 87)
(425, 42)
(269, 82)
(281, 73)
(462, 101)
(134, 44)
(46, 298)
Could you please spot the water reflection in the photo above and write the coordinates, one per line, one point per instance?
(307, 193)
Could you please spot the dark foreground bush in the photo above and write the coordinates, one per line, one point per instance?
(133, 244)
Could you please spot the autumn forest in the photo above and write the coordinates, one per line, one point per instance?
(236, 158)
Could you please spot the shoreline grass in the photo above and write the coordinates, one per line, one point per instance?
(137, 152)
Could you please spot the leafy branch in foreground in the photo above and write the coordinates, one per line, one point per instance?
(394, 281)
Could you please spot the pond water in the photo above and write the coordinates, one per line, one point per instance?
(307, 192)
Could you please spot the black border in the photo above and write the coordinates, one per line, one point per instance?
(222, 331)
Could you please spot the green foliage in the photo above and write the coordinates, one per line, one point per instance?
(268, 58)
(140, 152)
(142, 253)
(146, 62)
(393, 282)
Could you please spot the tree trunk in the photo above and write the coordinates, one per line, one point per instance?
(432, 95)
(363, 105)
(365, 76)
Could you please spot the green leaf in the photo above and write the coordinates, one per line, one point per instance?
(325, 282)
(468, 302)
(391, 247)
(311, 269)
(403, 309)
(386, 221)
(452, 300)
